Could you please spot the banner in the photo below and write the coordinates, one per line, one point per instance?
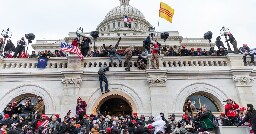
(166, 12)
(42, 62)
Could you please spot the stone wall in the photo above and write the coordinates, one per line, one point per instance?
(147, 91)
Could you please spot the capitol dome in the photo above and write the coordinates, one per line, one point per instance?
(114, 20)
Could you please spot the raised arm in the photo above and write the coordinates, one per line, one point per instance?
(118, 42)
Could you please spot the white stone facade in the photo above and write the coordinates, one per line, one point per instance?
(148, 92)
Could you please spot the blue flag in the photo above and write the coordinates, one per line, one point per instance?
(42, 62)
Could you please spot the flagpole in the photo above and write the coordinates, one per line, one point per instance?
(158, 18)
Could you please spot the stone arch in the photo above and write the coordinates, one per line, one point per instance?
(211, 91)
(116, 90)
(29, 89)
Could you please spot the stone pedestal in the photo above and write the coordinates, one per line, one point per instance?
(157, 84)
(74, 62)
(236, 60)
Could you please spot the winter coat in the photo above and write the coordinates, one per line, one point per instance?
(9, 47)
(230, 109)
(128, 53)
(39, 107)
(250, 116)
(206, 120)
(155, 49)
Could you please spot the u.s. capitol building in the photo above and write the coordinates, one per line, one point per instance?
(208, 79)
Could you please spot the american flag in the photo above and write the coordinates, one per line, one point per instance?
(44, 125)
(71, 49)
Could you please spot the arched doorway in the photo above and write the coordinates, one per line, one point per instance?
(115, 105)
(204, 89)
(24, 103)
(116, 90)
(200, 99)
(28, 89)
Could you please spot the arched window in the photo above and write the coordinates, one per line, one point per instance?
(114, 26)
(203, 99)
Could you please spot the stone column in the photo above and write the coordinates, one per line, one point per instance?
(157, 85)
(243, 82)
(71, 85)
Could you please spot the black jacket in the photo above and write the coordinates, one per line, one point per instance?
(250, 116)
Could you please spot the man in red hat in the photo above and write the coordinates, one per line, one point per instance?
(184, 51)
(231, 109)
(241, 115)
(250, 117)
(43, 122)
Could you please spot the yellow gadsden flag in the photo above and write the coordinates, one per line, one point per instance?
(166, 12)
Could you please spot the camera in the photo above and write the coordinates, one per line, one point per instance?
(94, 34)
(30, 37)
(164, 35)
(208, 36)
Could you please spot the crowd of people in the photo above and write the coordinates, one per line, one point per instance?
(26, 118)
(149, 47)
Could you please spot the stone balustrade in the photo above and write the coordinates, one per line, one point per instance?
(96, 62)
(194, 61)
(19, 63)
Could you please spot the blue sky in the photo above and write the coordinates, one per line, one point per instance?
(53, 19)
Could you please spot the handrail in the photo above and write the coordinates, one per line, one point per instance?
(96, 62)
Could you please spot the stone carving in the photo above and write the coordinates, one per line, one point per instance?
(243, 80)
(156, 81)
(75, 81)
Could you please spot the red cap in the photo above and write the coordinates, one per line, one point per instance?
(57, 116)
(135, 114)
(150, 126)
(108, 129)
(43, 115)
(242, 108)
(244, 45)
(6, 116)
